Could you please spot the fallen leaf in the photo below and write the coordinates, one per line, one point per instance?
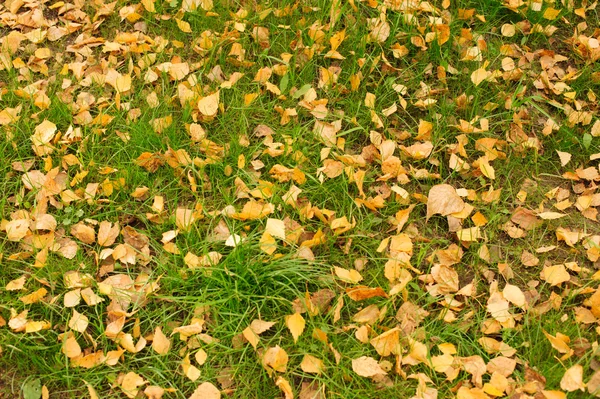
(206, 390)
(131, 383)
(443, 199)
(572, 380)
(367, 367)
(311, 364)
(555, 275)
(296, 324)
(275, 359)
(160, 343)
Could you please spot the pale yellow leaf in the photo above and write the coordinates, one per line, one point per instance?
(367, 367)
(206, 390)
(572, 380)
(311, 364)
(160, 343)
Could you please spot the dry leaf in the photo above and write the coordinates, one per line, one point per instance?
(367, 367)
(572, 380)
(209, 105)
(296, 324)
(160, 343)
(311, 364)
(206, 390)
(131, 383)
(443, 199)
(285, 387)
(275, 359)
(388, 343)
(555, 275)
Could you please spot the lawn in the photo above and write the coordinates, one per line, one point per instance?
(300, 199)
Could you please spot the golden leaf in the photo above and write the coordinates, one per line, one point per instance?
(311, 364)
(296, 324)
(160, 343)
(206, 390)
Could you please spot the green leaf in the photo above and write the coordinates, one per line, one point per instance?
(587, 140)
(32, 389)
(302, 91)
(283, 84)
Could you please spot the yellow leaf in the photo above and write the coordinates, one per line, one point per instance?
(388, 343)
(514, 295)
(554, 394)
(285, 387)
(560, 342)
(78, 322)
(209, 105)
(16, 284)
(254, 210)
(275, 359)
(184, 218)
(201, 356)
(267, 243)
(555, 275)
(296, 324)
(17, 229)
(478, 76)
(70, 346)
(551, 13)
(108, 233)
(84, 233)
(148, 5)
(311, 364)
(206, 390)
(183, 26)
(470, 234)
(572, 380)
(367, 367)
(276, 228)
(251, 336)
(189, 369)
(487, 169)
(349, 276)
(34, 297)
(565, 157)
(91, 390)
(42, 136)
(508, 30)
(160, 343)
(131, 383)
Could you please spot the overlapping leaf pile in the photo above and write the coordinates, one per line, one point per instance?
(455, 247)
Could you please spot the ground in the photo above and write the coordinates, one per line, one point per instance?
(313, 199)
